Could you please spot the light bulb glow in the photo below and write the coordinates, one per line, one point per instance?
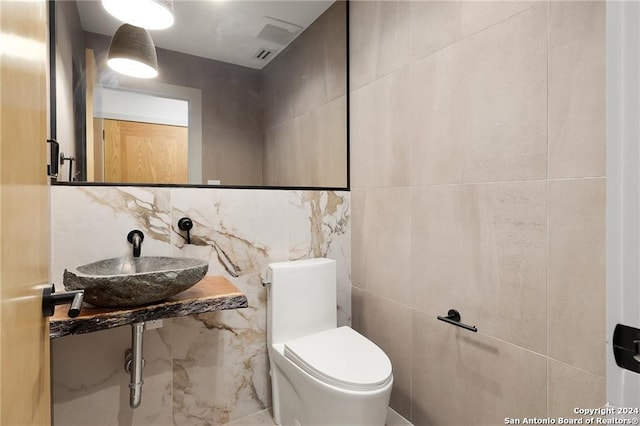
(132, 68)
(150, 14)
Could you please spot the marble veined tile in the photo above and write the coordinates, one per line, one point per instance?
(263, 417)
(220, 364)
(220, 368)
(320, 226)
(238, 231)
(208, 368)
(92, 223)
(90, 386)
(241, 223)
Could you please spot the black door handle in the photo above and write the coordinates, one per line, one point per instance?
(626, 347)
(52, 167)
(50, 299)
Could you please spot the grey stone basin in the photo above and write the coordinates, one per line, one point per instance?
(134, 281)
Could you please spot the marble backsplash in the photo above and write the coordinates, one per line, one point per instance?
(206, 369)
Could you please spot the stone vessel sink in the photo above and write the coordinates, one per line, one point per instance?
(134, 281)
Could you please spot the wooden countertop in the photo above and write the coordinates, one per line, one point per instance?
(212, 293)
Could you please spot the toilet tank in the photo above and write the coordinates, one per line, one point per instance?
(301, 298)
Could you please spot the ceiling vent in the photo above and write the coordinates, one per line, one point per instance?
(264, 54)
(278, 31)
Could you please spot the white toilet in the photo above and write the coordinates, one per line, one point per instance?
(321, 374)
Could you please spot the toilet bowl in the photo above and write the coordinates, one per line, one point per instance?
(321, 374)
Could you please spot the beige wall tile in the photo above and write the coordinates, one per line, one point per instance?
(438, 24)
(232, 156)
(464, 378)
(479, 108)
(381, 235)
(334, 51)
(305, 107)
(521, 260)
(378, 39)
(571, 388)
(577, 89)
(380, 151)
(388, 324)
(277, 143)
(576, 296)
(284, 152)
(310, 72)
(481, 249)
(329, 152)
(277, 79)
(308, 150)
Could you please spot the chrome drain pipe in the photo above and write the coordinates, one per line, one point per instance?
(134, 363)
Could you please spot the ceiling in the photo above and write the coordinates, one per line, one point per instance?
(231, 31)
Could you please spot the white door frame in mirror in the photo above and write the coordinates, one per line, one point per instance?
(168, 91)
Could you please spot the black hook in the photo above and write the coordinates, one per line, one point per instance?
(70, 160)
(186, 224)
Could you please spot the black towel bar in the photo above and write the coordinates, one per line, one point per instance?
(453, 317)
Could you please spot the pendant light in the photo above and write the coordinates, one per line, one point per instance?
(149, 14)
(133, 53)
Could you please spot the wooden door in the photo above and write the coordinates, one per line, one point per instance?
(24, 215)
(98, 149)
(137, 152)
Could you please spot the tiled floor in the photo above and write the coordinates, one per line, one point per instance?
(264, 418)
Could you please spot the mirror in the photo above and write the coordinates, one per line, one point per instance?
(249, 94)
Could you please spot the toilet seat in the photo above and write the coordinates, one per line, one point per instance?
(341, 357)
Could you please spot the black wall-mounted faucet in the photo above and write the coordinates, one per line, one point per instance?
(136, 237)
(186, 224)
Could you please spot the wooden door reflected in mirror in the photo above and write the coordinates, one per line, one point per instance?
(137, 152)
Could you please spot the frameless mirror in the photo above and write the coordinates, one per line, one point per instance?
(249, 93)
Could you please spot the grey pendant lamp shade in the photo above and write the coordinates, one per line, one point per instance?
(149, 14)
(133, 53)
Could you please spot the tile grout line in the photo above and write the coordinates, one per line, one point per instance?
(539, 180)
(411, 342)
(411, 60)
(410, 179)
(575, 367)
(548, 190)
(480, 31)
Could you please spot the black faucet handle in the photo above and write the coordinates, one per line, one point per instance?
(186, 224)
(133, 233)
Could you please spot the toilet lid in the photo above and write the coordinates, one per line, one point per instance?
(341, 357)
